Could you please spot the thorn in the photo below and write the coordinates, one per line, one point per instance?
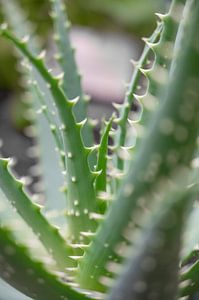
(144, 71)
(72, 269)
(131, 122)
(160, 16)
(25, 39)
(139, 98)
(115, 173)
(81, 246)
(112, 148)
(104, 196)
(59, 76)
(118, 121)
(89, 150)
(127, 148)
(93, 122)
(59, 274)
(82, 123)
(27, 180)
(148, 43)
(135, 63)
(73, 102)
(95, 216)
(76, 257)
(96, 173)
(73, 284)
(38, 206)
(87, 233)
(11, 162)
(117, 105)
(41, 55)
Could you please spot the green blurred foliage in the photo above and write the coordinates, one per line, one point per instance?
(136, 16)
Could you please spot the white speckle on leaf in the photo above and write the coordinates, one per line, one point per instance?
(181, 133)
(128, 189)
(166, 126)
(73, 179)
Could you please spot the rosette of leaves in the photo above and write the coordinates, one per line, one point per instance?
(116, 228)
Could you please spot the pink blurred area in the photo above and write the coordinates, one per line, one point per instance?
(104, 61)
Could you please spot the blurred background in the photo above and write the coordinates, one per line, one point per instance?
(106, 34)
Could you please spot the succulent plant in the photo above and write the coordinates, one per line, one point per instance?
(124, 225)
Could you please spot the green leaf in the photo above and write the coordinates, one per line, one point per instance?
(30, 276)
(161, 43)
(168, 145)
(189, 280)
(71, 80)
(100, 184)
(32, 215)
(52, 178)
(7, 214)
(151, 268)
(80, 181)
(124, 109)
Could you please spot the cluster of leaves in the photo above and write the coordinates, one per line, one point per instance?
(115, 229)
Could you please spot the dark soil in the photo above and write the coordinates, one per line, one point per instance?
(15, 143)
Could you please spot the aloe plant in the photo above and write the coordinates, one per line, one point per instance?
(129, 227)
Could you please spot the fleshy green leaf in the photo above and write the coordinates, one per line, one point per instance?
(151, 267)
(71, 80)
(29, 276)
(52, 178)
(32, 215)
(157, 75)
(80, 182)
(100, 184)
(169, 143)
